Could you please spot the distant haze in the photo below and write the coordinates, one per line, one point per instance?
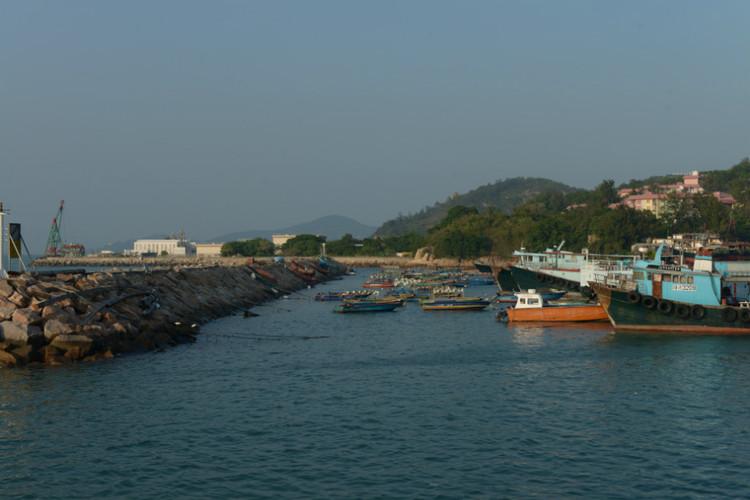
(224, 116)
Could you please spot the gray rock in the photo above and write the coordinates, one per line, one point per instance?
(54, 327)
(69, 342)
(21, 334)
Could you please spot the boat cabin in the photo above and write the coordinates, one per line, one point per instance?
(529, 300)
(712, 276)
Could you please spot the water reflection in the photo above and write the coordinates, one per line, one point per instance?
(538, 334)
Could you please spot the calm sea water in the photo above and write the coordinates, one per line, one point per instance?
(300, 402)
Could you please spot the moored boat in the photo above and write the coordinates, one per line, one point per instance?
(530, 307)
(630, 311)
(367, 305)
(454, 303)
(546, 297)
(335, 296)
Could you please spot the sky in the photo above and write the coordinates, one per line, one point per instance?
(211, 117)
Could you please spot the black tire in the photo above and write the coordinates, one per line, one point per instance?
(550, 280)
(744, 315)
(634, 297)
(570, 286)
(665, 307)
(729, 314)
(697, 311)
(682, 311)
(648, 302)
(539, 277)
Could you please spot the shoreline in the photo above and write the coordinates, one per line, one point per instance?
(166, 262)
(73, 315)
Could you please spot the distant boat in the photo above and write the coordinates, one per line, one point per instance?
(333, 296)
(374, 305)
(454, 304)
(301, 271)
(530, 307)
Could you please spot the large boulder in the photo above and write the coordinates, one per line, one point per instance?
(81, 344)
(6, 289)
(7, 308)
(27, 317)
(7, 359)
(57, 326)
(21, 334)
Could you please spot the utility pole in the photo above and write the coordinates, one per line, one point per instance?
(3, 236)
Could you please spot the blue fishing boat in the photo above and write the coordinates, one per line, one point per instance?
(667, 295)
(454, 304)
(372, 305)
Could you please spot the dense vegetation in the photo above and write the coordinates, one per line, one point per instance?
(503, 196)
(583, 219)
(257, 247)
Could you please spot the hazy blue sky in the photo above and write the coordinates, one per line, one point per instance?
(219, 116)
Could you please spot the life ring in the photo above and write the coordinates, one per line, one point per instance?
(682, 311)
(648, 302)
(665, 306)
(539, 277)
(697, 311)
(634, 297)
(729, 314)
(744, 315)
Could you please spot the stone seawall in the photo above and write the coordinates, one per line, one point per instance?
(61, 318)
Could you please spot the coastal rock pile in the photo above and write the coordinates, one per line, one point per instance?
(64, 318)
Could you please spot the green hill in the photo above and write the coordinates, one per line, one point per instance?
(503, 195)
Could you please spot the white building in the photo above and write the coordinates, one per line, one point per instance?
(177, 247)
(208, 249)
(280, 239)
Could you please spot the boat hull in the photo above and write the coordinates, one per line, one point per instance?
(353, 307)
(632, 312)
(454, 304)
(541, 280)
(562, 313)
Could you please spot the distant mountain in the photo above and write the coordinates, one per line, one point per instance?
(504, 195)
(119, 246)
(333, 226)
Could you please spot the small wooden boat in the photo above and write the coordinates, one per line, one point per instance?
(327, 296)
(263, 276)
(454, 304)
(378, 284)
(318, 268)
(367, 305)
(301, 271)
(530, 307)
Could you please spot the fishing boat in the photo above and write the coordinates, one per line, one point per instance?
(319, 268)
(337, 296)
(454, 303)
(530, 307)
(301, 271)
(513, 298)
(667, 295)
(367, 305)
(480, 279)
(555, 269)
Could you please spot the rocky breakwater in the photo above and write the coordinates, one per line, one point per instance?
(64, 318)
